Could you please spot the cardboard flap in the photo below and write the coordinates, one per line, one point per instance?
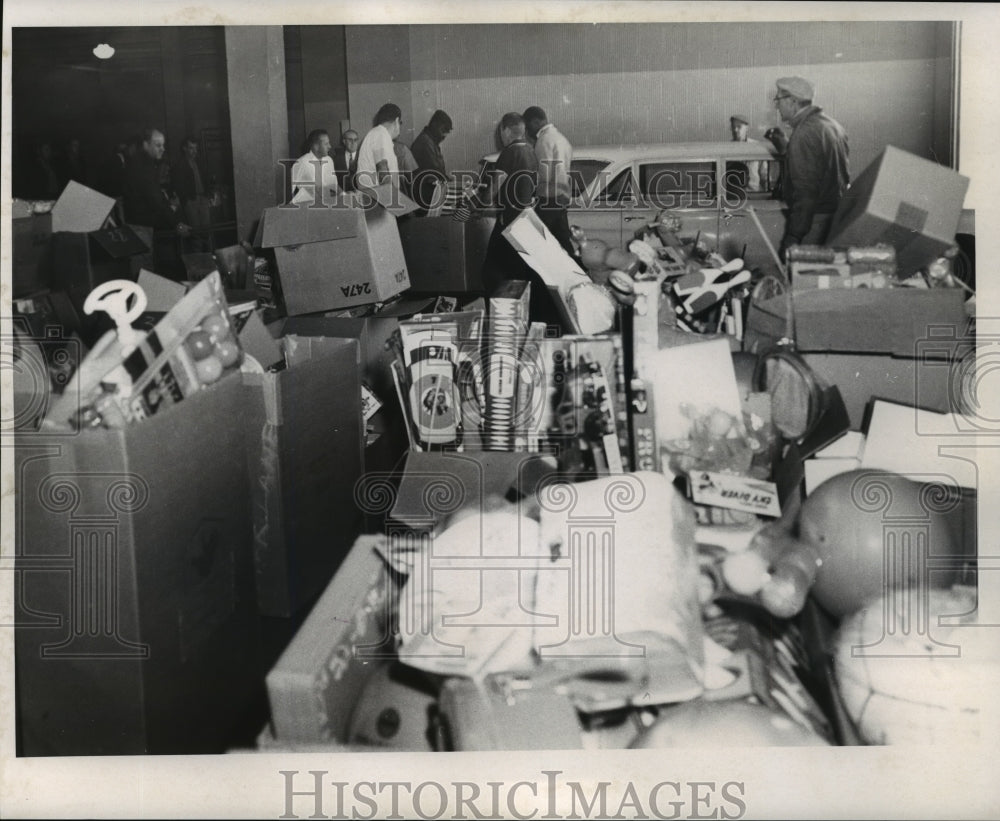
(161, 293)
(297, 225)
(80, 209)
(542, 251)
(914, 443)
(393, 200)
(255, 339)
(405, 307)
(119, 243)
(199, 265)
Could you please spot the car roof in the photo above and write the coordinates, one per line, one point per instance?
(680, 151)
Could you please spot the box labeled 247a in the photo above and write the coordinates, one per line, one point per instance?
(334, 256)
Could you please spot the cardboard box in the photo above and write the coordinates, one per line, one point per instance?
(372, 333)
(906, 201)
(887, 343)
(304, 441)
(313, 687)
(334, 257)
(85, 252)
(255, 340)
(136, 626)
(886, 321)
(444, 255)
(31, 255)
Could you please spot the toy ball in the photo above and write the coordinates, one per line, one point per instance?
(592, 253)
(621, 260)
(726, 724)
(228, 352)
(905, 678)
(874, 530)
(199, 343)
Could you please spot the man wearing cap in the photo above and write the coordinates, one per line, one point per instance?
(816, 168)
(740, 127)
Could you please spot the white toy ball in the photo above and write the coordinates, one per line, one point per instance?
(907, 679)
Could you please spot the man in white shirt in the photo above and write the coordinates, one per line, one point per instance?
(555, 156)
(304, 185)
(377, 158)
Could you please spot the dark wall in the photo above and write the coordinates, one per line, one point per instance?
(173, 78)
(316, 75)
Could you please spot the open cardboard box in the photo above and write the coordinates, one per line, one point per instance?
(86, 251)
(444, 255)
(304, 443)
(136, 545)
(31, 263)
(339, 255)
(371, 331)
(315, 684)
(906, 201)
(890, 343)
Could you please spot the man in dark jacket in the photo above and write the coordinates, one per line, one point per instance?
(426, 150)
(816, 169)
(345, 159)
(512, 188)
(145, 203)
(188, 180)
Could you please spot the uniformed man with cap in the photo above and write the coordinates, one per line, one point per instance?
(740, 127)
(816, 169)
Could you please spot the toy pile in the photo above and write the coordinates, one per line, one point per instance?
(131, 375)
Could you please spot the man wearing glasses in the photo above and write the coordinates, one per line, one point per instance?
(816, 169)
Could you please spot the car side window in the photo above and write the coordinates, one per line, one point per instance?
(750, 180)
(583, 172)
(678, 184)
(620, 189)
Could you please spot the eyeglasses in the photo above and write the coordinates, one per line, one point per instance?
(782, 97)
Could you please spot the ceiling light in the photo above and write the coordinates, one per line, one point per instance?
(104, 51)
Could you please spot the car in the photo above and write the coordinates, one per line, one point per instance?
(619, 189)
(709, 186)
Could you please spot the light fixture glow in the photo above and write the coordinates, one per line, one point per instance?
(104, 51)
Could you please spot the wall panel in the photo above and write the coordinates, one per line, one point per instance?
(664, 82)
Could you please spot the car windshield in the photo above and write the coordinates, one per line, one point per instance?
(583, 172)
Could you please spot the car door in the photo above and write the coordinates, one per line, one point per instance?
(598, 202)
(739, 232)
(686, 188)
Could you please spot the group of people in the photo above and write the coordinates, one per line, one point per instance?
(358, 164)
(534, 166)
(44, 175)
(154, 192)
(533, 170)
(171, 197)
